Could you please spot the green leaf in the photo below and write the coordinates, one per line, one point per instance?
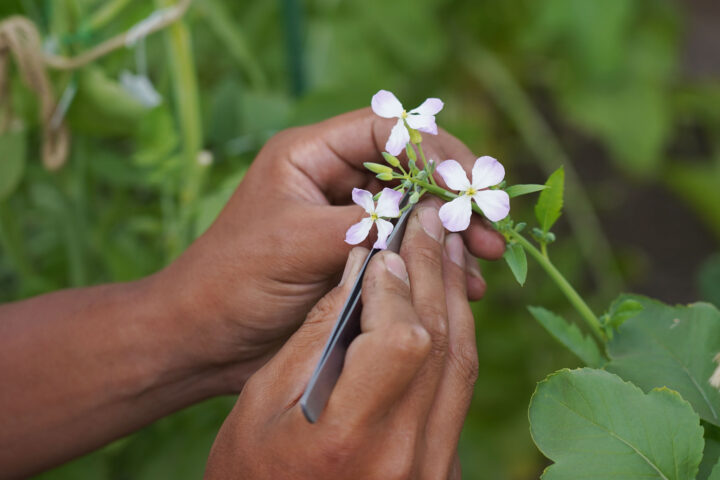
(672, 347)
(517, 190)
(592, 424)
(12, 161)
(570, 336)
(620, 310)
(715, 474)
(550, 203)
(517, 261)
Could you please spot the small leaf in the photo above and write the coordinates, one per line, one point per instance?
(622, 310)
(12, 161)
(570, 336)
(593, 424)
(517, 261)
(550, 203)
(517, 190)
(674, 347)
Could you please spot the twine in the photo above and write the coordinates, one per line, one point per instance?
(20, 38)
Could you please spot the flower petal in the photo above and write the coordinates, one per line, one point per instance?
(384, 228)
(455, 215)
(364, 199)
(487, 172)
(358, 232)
(431, 106)
(454, 175)
(495, 204)
(386, 105)
(388, 205)
(399, 137)
(424, 123)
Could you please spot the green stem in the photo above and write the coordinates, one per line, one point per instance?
(106, 13)
(570, 293)
(182, 67)
(425, 163)
(543, 249)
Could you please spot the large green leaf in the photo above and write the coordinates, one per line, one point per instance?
(672, 347)
(570, 336)
(550, 203)
(12, 161)
(592, 424)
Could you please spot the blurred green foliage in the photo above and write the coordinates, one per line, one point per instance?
(231, 74)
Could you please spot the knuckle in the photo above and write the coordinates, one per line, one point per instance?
(434, 318)
(410, 340)
(339, 449)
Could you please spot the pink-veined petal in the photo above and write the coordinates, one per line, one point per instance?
(431, 106)
(388, 205)
(454, 175)
(487, 172)
(424, 123)
(399, 137)
(384, 228)
(455, 215)
(358, 232)
(386, 105)
(495, 204)
(364, 199)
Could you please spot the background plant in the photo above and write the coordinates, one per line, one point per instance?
(618, 92)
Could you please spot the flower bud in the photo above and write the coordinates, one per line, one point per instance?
(414, 198)
(391, 159)
(410, 152)
(422, 175)
(415, 136)
(384, 176)
(407, 184)
(377, 168)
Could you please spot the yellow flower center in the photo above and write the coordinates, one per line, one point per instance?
(404, 114)
(470, 192)
(374, 216)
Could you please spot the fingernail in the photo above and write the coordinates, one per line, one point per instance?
(350, 265)
(455, 249)
(395, 265)
(472, 266)
(430, 222)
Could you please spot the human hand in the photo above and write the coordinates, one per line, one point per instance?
(278, 246)
(401, 399)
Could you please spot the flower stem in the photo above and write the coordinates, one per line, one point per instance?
(425, 163)
(570, 293)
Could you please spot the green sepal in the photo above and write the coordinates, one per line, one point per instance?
(385, 176)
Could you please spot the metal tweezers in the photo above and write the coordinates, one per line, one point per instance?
(346, 328)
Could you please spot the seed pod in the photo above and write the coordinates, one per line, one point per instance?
(410, 153)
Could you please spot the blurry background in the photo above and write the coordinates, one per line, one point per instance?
(624, 93)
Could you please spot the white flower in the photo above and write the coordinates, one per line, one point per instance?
(388, 206)
(486, 172)
(422, 118)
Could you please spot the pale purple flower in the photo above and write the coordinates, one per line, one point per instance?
(388, 206)
(486, 172)
(422, 118)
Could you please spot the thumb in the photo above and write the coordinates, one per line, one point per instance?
(297, 358)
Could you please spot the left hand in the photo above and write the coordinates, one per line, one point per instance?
(278, 246)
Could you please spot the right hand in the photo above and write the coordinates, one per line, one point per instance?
(401, 399)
